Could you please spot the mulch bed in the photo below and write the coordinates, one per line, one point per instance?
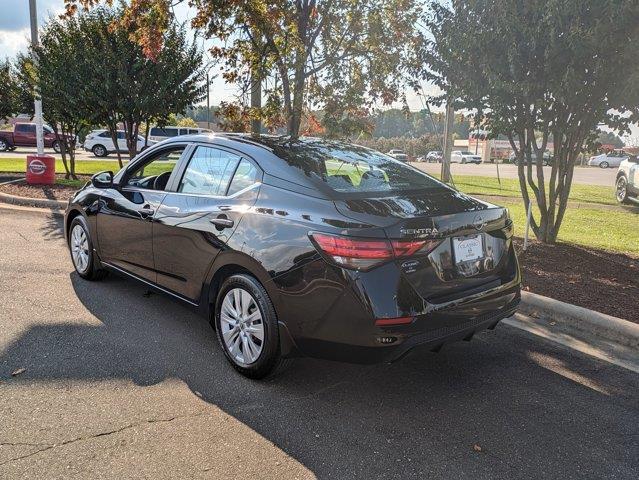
(51, 192)
(591, 278)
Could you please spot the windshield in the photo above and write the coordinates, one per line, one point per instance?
(354, 169)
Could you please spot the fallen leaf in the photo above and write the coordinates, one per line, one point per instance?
(198, 394)
(477, 448)
(18, 371)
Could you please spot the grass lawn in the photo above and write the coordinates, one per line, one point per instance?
(88, 167)
(510, 188)
(607, 229)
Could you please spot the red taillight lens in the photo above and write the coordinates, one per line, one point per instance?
(364, 253)
(387, 322)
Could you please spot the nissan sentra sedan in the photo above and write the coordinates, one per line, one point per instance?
(302, 247)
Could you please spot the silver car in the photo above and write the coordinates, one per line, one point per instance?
(606, 160)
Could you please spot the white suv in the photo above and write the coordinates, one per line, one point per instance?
(459, 156)
(627, 184)
(162, 133)
(99, 142)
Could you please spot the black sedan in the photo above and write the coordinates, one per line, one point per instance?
(300, 247)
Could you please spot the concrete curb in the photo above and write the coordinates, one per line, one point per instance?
(611, 328)
(30, 202)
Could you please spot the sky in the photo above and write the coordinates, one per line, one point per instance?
(15, 36)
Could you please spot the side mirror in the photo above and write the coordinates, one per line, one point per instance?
(102, 180)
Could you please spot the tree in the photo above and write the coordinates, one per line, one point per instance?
(538, 71)
(8, 91)
(124, 86)
(339, 54)
(609, 138)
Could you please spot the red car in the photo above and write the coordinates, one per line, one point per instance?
(24, 135)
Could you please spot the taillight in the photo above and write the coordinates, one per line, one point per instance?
(365, 253)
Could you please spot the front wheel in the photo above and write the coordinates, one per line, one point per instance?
(621, 189)
(82, 252)
(604, 165)
(99, 151)
(246, 325)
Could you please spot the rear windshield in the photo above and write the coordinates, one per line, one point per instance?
(354, 169)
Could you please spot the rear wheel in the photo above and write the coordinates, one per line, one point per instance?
(81, 250)
(621, 189)
(4, 146)
(604, 165)
(56, 147)
(246, 325)
(99, 151)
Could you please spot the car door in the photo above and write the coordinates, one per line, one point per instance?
(125, 213)
(24, 134)
(194, 222)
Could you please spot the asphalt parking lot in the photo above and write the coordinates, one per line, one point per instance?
(123, 384)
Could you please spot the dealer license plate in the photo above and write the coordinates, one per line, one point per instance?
(468, 248)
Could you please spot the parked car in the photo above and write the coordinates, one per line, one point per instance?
(627, 183)
(100, 143)
(463, 156)
(547, 160)
(435, 156)
(158, 134)
(306, 247)
(24, 135)
(610, 159)
(398, 154)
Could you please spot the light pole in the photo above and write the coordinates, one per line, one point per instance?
(38, 101)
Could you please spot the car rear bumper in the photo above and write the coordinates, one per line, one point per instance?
(457, 321)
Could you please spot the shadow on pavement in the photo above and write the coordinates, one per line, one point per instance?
(532, 408)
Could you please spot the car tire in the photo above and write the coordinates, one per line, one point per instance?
(463, 161)
(248, 314)
(621, 189)
(99, 150)
(56, 147)
(81, 248)
(604, 165)
(4, 146)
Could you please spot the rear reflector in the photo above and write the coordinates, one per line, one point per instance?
(365, 253)
(385, 322)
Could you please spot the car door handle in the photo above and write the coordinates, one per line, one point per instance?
(222, 222)
(146, 211)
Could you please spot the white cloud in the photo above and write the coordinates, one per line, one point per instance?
(13, 42)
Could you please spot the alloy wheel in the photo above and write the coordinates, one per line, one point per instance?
(621, 189)
(242, 326)
(604, 165)
(80, 249)
(3, 146)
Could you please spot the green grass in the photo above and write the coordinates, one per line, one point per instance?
(85, 167)
(607, 229)
(510, 188)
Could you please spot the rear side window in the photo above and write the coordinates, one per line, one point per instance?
(163, 132)
(209, 171)
(245, 176)
(353, 169)
(105, 134)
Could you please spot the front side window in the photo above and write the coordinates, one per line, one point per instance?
(209, 171)
(154, 174)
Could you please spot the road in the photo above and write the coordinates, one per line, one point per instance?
(120, 383)
(583, 175)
